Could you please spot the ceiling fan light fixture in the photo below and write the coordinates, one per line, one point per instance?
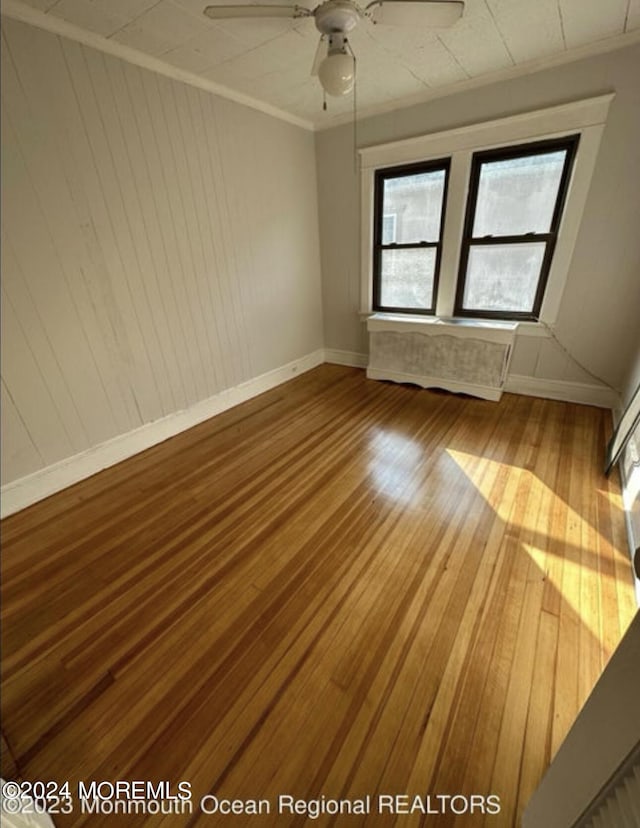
(335, 19)
(337, 74)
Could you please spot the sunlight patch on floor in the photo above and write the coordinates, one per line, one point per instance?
(570, 578)
(393, 464)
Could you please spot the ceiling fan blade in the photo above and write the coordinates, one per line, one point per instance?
(226, 12)
(428, 13)
(319, 56)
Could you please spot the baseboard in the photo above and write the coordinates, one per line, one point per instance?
(351, 358)
(575, 392)
(34, 487)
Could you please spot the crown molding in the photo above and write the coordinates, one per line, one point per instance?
(601, 47)
(17, 10)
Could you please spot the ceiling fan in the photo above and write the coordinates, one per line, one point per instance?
(334, 19)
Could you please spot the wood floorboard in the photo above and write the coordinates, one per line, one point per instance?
(341, 588)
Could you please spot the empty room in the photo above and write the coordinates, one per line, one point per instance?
(320, 413)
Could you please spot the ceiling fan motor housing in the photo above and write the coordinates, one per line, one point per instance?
(335, 16)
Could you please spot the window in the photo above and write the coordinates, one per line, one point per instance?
(410, 203)
(501, 254)
(515, 203)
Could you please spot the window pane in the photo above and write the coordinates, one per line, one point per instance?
(415, 202)
(389, 229)
(503, 277)
(407, 278)
(518, 195)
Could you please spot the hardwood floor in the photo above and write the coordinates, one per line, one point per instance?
(341, 588)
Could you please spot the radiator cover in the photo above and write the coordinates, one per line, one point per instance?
(470, 357)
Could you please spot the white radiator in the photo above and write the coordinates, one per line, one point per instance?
(468, 357)
(618, 806)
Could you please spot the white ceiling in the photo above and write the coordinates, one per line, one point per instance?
(270, 60)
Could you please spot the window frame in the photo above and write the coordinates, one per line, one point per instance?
(585, 116)
(569, 143)
(402, 171)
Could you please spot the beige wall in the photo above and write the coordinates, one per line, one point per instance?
(598, 319)
(159, 245)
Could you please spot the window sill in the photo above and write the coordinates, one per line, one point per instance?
(462, 326)
(488, 329)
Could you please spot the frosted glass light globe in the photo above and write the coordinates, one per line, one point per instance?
(337, 74)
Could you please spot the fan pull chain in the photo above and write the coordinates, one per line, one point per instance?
(355, 117)
(355, 107)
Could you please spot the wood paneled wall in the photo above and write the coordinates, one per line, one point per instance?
(159, 245)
